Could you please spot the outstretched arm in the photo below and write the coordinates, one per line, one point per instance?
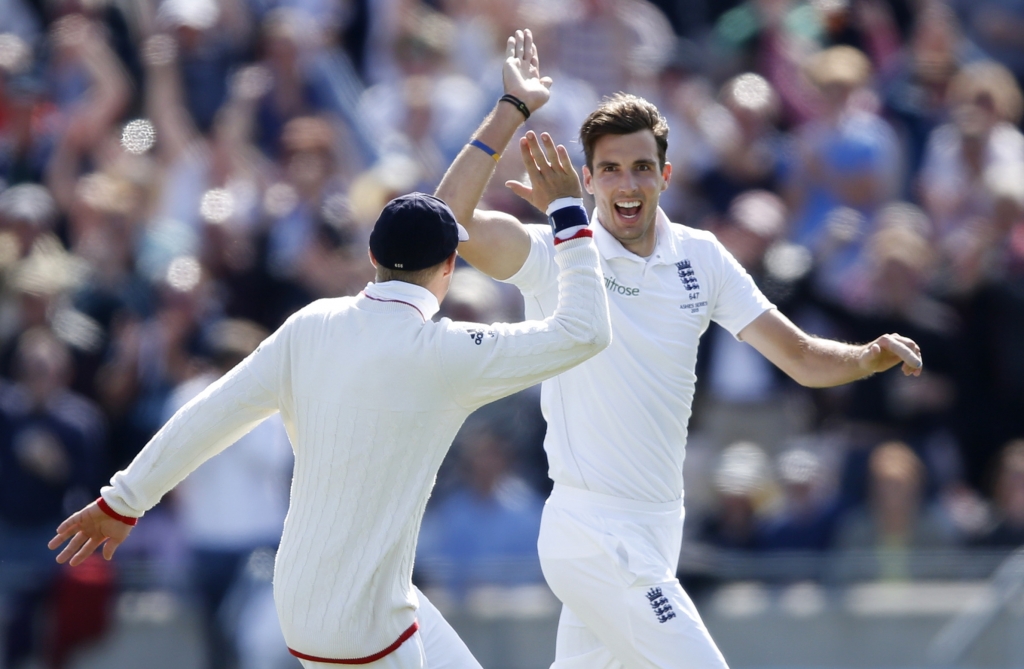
(498, 245)
(821, 363)
(208, 424)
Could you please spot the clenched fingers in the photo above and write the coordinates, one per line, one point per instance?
(906, 350)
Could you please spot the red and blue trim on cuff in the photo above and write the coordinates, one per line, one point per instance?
(105, 508)
(585, 232)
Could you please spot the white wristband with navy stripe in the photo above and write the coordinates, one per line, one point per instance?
(568, 218)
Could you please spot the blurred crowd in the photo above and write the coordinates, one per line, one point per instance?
(179, 176)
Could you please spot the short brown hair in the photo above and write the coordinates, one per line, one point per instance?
(623, 114)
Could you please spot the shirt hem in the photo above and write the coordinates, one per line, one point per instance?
(406, 635)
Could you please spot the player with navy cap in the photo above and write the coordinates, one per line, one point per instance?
(400, 240)
(372, 392)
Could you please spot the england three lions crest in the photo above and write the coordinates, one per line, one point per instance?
(686, 275)
(689, 279)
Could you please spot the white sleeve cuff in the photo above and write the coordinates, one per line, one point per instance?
(562, 203)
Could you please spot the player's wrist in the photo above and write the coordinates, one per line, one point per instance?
(106, 508)
(562, 202)
(516, 102)
(568, 219)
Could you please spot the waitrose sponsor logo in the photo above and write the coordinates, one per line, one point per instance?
(614, 286)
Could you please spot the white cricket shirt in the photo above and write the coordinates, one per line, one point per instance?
(617, 423)
(372, 392)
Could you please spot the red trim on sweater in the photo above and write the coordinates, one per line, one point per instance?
(408, 304)
(105, 508)
(362, 660)
(585, 232)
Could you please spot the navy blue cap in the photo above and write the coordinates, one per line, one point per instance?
(414, 232)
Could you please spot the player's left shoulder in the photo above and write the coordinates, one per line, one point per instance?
(692, 243)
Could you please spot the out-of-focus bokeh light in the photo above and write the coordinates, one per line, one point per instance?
(14, 53)
(138, 136)
(788, 262)
(335, 210)
(742, 469)
(280, 199)
(183, 274)
(752, 91)
(830, 6)
(217, 205)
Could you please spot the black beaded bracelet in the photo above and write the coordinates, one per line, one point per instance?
(517, 103)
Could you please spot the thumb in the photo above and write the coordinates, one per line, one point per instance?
(870, 353)
(520, 189)
(110, 546)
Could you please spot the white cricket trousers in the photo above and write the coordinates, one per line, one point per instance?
(434, 646)
(612, 563)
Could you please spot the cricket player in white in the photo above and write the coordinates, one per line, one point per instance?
(372, 392)
(612, 527)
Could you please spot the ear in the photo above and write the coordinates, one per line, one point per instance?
(588, 177)
(373, 261)
(666, 175)
(449, 264)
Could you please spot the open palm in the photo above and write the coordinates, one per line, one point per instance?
(521, 72)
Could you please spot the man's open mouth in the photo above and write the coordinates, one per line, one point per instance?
(629, 209)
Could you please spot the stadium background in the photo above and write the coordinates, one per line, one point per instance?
(177, 176)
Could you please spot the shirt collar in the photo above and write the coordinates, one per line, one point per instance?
(417, 297)
(665, 249)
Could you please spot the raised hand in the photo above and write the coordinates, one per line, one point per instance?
(521, 72)
(87, 530)
(890, 350)
(550, 170)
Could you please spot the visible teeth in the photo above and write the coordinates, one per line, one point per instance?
(627, 205)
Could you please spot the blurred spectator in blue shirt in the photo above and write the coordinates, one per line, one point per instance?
(483, 532)
(810, 511)
(847, 157)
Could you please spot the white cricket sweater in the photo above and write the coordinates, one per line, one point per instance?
(372, 392)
